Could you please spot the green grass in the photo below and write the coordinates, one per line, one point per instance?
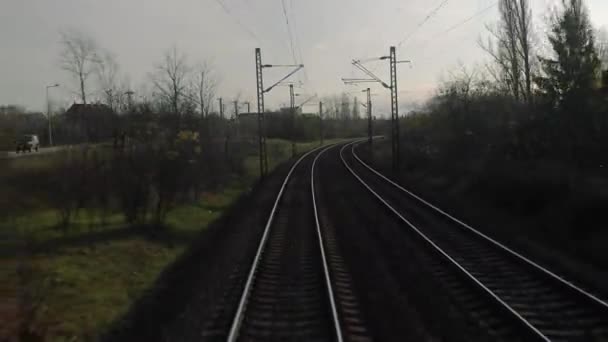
(86, 277)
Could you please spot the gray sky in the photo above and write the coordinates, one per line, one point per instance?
(327, 34)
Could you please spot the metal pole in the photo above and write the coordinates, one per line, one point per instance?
(110, 98)
(260, 98)
(321, 121)
(221, 108)
(248, 107)
(48, 114)
(394, 111)
(369, 119)
(235, 120)
(292, 104)
(129, 94)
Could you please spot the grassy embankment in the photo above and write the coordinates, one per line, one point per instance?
(69, 285)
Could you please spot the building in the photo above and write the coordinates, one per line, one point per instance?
(91, 122)
(287, 110)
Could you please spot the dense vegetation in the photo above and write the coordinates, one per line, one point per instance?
(541, 157)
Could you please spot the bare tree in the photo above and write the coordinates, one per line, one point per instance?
(79, 57)
(205, 86)
(107, 71)
(330, 107)
(505, 52)
(356, 109)
(171, 79)
(508, 9)
(523, 14)
(238, 99)
(511, 48)
(461, 84)
(345, 113)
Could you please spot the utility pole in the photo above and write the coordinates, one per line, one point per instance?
(248, 106)
(394, 111)
(231, 122)
(292, 111)
(235, 119)
(48, 112)
(321, 122)
(260, 97)
(110, 98)
(369, 120)
(392, 57)
(221, 107)
(129, 94)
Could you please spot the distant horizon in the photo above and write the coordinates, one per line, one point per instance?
(325, 36)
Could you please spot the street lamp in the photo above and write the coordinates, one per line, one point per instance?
(48, 111)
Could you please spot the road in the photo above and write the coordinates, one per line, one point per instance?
(48, 150)
(42, 150)
(329, 249)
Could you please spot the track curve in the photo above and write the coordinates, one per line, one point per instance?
(544, 306)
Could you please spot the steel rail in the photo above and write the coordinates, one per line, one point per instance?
(330, 292)
(472, 278)
(238, 317)
(517, 255)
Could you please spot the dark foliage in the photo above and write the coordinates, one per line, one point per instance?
(544, 162)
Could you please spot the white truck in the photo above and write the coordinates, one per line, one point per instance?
(27, 142)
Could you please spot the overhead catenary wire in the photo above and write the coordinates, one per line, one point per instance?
(297, 39)
(294, 36)
(424, 21)
(475, 15)
(236, 19)
(446, 31)
(289, 34)
(431, 14)
(458, 24)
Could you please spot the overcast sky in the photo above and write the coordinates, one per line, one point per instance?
(328, 34)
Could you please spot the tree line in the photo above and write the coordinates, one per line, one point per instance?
(175, 87)
(525, 105)
(154, 151)
(528, 131)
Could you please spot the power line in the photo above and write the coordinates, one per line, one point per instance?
(458, 24)
(298, 41)
(452, 28)
(294, 43)
(293, 53)
(424, 21)
(241, 25)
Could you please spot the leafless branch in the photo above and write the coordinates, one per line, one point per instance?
(205, 86)
(171, 79)
(78, 56)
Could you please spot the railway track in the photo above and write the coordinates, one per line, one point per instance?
(538, 304)
(294, 288)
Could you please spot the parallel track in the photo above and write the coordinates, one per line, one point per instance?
(541, 304)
